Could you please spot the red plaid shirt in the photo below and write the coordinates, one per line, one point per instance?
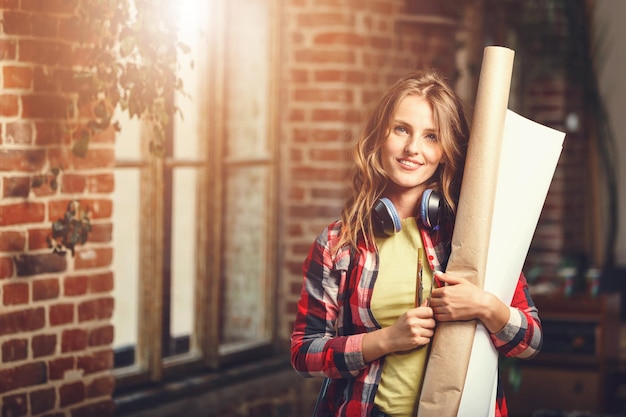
(333, 315)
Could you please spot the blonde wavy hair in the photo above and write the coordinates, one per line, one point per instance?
(369, 178)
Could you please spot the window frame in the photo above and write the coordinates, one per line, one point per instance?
(205, 351)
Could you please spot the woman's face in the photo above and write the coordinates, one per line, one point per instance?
(412, 151)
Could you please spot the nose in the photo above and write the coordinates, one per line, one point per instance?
(412, 146)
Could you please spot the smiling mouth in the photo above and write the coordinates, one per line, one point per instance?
(407, 163)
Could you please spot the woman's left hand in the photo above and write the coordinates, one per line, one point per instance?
(461, 300)
(458, 300)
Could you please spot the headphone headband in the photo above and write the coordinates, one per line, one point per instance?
(387, 220)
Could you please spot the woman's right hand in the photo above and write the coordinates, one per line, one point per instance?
(412, 329)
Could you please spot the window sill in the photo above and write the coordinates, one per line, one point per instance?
(216, 388)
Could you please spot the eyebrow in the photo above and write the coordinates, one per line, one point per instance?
(403, 123)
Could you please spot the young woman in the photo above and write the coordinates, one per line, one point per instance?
(369, 306)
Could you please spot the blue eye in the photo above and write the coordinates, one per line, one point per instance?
(401, 130)
(431, 137)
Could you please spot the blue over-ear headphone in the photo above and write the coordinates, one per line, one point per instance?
(386, 218)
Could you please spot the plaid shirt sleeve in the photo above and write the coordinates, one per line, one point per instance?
(522, 336)
(316, 349)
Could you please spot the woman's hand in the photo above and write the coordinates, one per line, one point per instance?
(412, 329)
(461, 300)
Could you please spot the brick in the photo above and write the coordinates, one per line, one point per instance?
(9, 105)
(340, 76)
(100, 283)
(22, 160)
(330, 115)
(327, 155)
(95, 158)
(16, 187)
(73, 340)
(8, 49)
(50, 6)
(93, 258)
(324, 19)
(46, 289)
(42, 400)
(101, 233)
(73, 184)
(29, 265)
(45, 26)
(83, 56)
(15, 293)
(48, 133)
(75, 285)
(37, 238)
(105, 136)
(317, 135)
(298, 76)
(44, 189)
(314, 211)
(11, 241)
(101, 183)
(19, 133)
(336, 39)
(101, 308)
(73, 393)
(17, 23)
(6, 267)
(22, 321)
(27, 375)
(319, 56)
(59, 366)
(100, 208)
(17, 77)
(20, 213)
(61, 314)
(45, 80)
(96, 362)
(44, 52)
(328, 193)
(319, 174)
(14, 350)
(44, 345)
(14, 405)
(101, 336)
(99, 387)
(44, 106)
(317, 95)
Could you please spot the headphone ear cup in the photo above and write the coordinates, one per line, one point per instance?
(429, 208)
(386, 218)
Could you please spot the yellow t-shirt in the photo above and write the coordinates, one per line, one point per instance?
(394, 293)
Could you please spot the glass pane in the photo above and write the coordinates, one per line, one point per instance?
(184, 232)
(192, 33)
(245, 256)
(126, 264)
(247, 75)
(128, 140)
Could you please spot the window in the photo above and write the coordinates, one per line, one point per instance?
(194, 230)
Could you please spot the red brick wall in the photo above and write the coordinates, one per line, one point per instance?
(55, 331)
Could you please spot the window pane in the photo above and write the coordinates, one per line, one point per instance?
(126, 262)
(192, 33)
(247, 73)
(128, 141)
(184, 230)
(245, 256)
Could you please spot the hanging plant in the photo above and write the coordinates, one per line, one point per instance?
(132, 65)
